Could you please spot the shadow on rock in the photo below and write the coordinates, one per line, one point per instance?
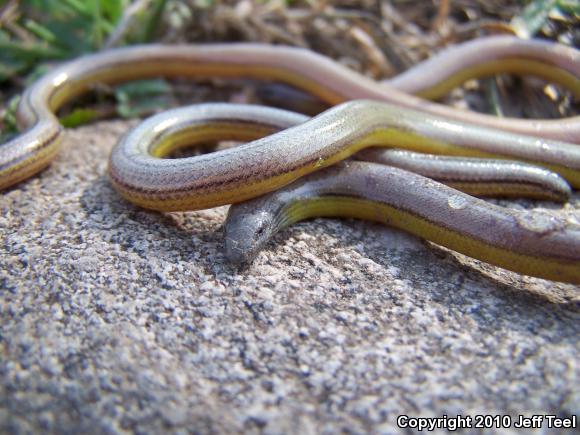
(192, 236)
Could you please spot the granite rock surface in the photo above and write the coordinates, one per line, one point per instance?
(115, 319)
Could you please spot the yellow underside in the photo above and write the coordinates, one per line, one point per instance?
(122, 73)
(27, 168)
(342, 206)
(503, 190)
(385, 137)
(176, 68)
(203, 133)
(209, 133)
(512, 66)
(332, 206)
(414, 142)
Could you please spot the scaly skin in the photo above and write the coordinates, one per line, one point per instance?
(304, 145)
(528, 242)
(269, 163)
(35, 148)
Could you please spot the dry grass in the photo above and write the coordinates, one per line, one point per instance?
(378, 38)
(381, 39)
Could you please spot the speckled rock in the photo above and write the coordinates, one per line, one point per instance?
(119, 319)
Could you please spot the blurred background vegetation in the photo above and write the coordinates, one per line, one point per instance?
(377, 37)
(35, 31)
